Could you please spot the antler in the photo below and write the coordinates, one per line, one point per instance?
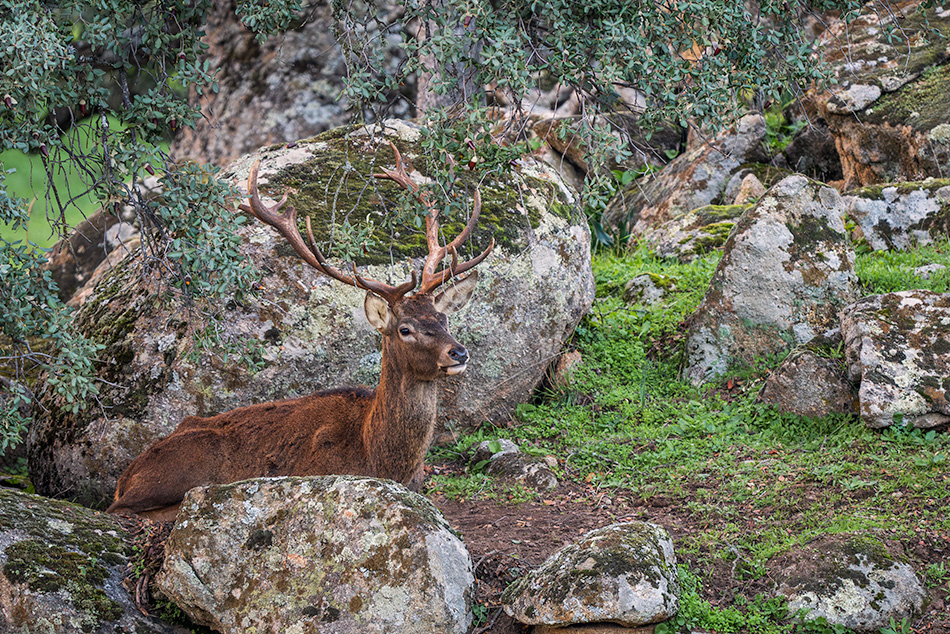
(286, 224)
(431, 278)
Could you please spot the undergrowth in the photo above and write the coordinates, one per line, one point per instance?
(757, 481)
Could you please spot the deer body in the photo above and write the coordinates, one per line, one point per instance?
(382, 433)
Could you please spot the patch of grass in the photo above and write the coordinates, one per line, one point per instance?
(753, 482)
(891, 271)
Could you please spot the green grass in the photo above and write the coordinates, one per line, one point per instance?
(754, 481)
(29, 181)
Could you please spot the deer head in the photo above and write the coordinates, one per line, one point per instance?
(414, 327)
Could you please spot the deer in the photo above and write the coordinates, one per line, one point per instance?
(382, 433)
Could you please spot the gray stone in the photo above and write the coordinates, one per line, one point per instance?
(897, 346)
(622, 573)
(531, 472)
(853, 582)
(532, 291)
(807, 384)
(786, 271)
(489, 450)
(902, 216)
(62, 568)
(333, 554)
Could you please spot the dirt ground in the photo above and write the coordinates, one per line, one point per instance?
(506, 540)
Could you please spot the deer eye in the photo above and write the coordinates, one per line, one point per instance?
(404, 331)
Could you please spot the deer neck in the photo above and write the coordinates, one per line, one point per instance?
(400, 423)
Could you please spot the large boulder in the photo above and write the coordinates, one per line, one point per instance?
(890, 110)
(786, 271)
(623, 573)
(696, 178)
(852, 581)
(61, 570)
(902, 216)
(896, 345)
(331, 554)
(312, 332)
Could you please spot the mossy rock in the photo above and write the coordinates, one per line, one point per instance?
(62, 568)
(309, 331)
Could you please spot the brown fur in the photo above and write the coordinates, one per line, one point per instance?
(381, 433)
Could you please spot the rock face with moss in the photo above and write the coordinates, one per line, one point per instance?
(898, 346)
(890, 112)
(902, 216)
(622, 573)
(61, 570)
(786, 271)
(851, 581)
(333, 554)
(310, 331)
(696, 232)
(693, 179)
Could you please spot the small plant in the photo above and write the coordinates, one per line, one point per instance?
(896, 628)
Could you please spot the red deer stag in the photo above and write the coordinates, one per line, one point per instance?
(383, 433)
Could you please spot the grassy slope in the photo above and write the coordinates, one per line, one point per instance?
(766, 481)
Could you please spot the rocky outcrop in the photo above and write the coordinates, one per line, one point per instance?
(696, 178)
(335, 555)
(809, 384)
(310, 332)
(786, 271)
(622, 573)
(902, 216)
(890, 111)
(898, 346)
(61, 570)
(850, 581)
(286, 88)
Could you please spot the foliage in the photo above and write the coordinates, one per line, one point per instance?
(691, 62)
(95, 88)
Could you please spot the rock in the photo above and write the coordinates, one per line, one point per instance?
(807, 384)
(331, 554)
(786, 271)
(647, 289)
(750, 190)
(311, 332)
(502, 458)
(491, 449)
(286, 88)
(562, 373)
(902, 216)
(61, 570)
(517, 467)
(812, 152)
(925, 272)
(693, 179)
(851, 581)
(622, 573)
(695, 233)
(890, 111)
(896, 345)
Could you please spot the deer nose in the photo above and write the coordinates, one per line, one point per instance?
(459, 354)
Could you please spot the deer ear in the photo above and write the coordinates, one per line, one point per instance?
(456, 294)
(377, 311)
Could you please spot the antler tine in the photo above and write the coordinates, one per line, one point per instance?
(432, 279)
(286, 225)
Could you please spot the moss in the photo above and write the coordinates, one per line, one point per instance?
(71, 550)
(336, 187)
(923, 103)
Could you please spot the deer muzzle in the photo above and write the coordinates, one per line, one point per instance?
(459, 355)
